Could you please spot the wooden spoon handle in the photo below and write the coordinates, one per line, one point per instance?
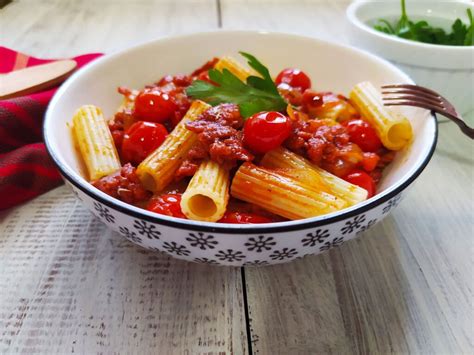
(33, 79)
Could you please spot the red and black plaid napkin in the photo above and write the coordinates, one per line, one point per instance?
(26, 170)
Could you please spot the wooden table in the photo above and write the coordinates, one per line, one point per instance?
(68, 284)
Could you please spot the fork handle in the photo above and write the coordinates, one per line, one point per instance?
(468, 131)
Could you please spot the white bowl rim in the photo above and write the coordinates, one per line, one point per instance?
(351, 14)
(227, 228)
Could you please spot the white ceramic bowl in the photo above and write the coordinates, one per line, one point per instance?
(446, 69)
(230, 244)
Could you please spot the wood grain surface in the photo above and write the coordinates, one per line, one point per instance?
(67, 284)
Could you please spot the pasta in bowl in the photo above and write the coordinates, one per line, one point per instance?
(238, 164)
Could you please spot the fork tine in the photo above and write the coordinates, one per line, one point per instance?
(411, 92)
(427, 101)
(409, 86)
(414, 103)
(413, 95)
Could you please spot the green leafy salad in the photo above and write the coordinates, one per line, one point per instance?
(421, 31)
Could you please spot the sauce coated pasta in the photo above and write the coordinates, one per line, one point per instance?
(231, 144)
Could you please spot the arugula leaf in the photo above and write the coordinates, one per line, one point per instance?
(422, 31)
(385, 26)
(403, 25)
(469, 40)
(258, 94)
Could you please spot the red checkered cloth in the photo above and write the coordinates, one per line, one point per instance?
(26, 170)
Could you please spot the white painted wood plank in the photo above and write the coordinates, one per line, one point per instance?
(52, 28)
(404, 287)
(67, 283)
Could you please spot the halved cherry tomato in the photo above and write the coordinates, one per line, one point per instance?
(168, 204)
(140, 139)
(364, 135)
(361, 179)
(154, 105)
(295, 78)
(243, 218)
(265, 131)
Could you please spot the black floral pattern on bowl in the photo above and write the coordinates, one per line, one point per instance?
(256, 263)
(391, 204)
(316, 237)
(177, 249)
(130, 235)
(202, 241)
(353, 224)
(260, 243)
(230, 255)
(336, 242)
(146, 229)
(367, 226)
(206, 261)
(104, 212)
(285, 253)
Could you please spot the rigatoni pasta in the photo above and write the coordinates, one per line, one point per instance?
(313, 175)
(95, 142)
(158, 169)
(394, 130)
(234, 67)
(207, 194)
(281, 194)
(267, 149)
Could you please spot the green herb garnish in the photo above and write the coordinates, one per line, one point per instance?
(256, 95)
(422, 31)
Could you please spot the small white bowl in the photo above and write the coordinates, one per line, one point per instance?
(233, 244)
(446, 69)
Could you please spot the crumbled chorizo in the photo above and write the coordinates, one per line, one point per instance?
(219, 138)
(124, 184)
(326, 146)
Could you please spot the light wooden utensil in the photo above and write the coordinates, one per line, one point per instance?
(33, 79)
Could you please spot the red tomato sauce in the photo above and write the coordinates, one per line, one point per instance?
(324, 128)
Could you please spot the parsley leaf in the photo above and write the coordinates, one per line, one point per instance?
(256, 95)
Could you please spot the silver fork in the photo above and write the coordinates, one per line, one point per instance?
(414, 95)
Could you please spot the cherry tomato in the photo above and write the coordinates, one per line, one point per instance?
(243, 218)
(117, 137)
(361, 179)
(312, 99)
(140, 139)
(154, 106)
(295, 78)
(169, 204)
(364, 135)
(370, 161)
(265, 131)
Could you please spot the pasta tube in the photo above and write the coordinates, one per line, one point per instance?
(207, 194)
(281, 194)
(157, 170)
(95, 142)
(234, 67)
(310, 174)
(393, 129)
